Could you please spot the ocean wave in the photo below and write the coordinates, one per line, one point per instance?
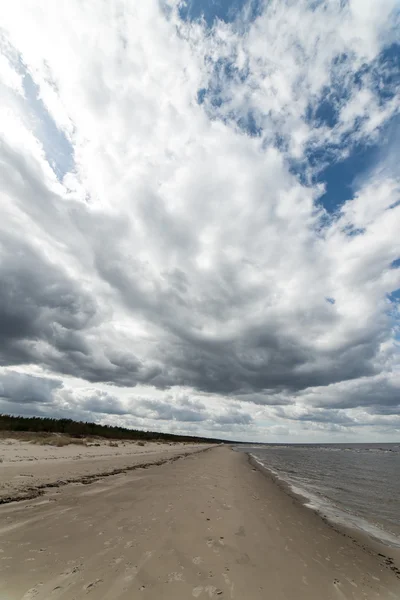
(314, 483)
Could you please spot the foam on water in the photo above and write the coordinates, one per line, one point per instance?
(355, 485)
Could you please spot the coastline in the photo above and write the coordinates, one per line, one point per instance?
(388, 554)
(356, 486)
(210, 525)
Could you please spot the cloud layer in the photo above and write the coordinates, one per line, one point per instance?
(167, 258)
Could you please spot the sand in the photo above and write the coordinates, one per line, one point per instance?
(208, 525)
(27, 468)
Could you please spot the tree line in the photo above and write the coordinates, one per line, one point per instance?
(83, 429)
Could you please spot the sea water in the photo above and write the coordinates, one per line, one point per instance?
(356, 484)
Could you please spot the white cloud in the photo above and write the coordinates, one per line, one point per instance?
(149, 240)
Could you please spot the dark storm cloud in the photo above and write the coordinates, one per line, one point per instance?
(38, 302)
(252, 365)
(316, 415)
(374, 394)
(29, 395)
(248, 362)
(45, 317)
(188, 411)
(233, 417)
(45, 313)
(19, 388)
(168, 411)
(268, 398)
(101, 402)
(366, 402)
(390, 410)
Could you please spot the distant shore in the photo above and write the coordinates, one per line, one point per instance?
(209, 525)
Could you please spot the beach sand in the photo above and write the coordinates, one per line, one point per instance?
(26, 468)
(208, 525)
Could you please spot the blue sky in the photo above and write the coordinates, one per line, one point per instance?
(57, 148)
(340, 174)
(211, 10)
(200, 216)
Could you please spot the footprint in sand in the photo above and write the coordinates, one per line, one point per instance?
(57, 589)
(211, 544)
(210, 590)
(71, 571)
(229, 584)
(90, 586)
(197, 591)
(32, 593)
(175, 576)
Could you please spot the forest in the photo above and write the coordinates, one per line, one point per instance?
(80, 429)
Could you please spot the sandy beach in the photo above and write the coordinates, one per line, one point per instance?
(26, 468)
(208, 525)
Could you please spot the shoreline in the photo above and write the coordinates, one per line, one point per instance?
(210, 525)
(340, 486)
(362, 538)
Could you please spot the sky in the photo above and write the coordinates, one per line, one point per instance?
(200, 216)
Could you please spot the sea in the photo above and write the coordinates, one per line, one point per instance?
(357, 485)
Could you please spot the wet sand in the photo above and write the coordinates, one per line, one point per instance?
(208, 525)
